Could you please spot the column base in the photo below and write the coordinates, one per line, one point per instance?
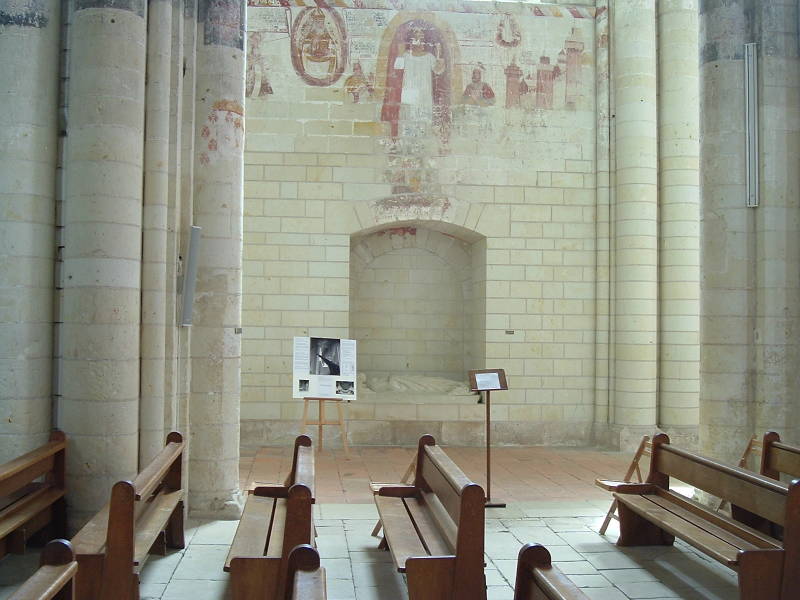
(215, 506)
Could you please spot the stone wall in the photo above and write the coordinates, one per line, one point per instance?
(496, 151)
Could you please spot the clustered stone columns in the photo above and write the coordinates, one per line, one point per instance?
(218, 205)
(28, 152)
(102, 254)
(679, 217)
(751, 297)
(154, 234)
(636, 218)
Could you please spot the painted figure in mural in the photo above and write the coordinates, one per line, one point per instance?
(508, 33)
(418, 81)
(256, 67)
(478, 92)
(546, 74)
(359, 86)
(319, 46)
(570, 57)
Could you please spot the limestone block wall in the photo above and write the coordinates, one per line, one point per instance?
(497, 151)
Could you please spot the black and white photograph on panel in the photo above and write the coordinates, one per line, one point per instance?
(345, 388)
(303, 385)
(325, 356)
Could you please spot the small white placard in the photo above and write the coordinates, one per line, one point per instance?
(487, 381)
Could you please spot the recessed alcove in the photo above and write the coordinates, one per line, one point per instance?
(417, 306)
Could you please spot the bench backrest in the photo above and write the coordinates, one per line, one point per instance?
(302, 464)
(777, 457)
(306, 578)
(457, 505)
(538, 579)
(755, 493)
(54, 579)
(47, 459)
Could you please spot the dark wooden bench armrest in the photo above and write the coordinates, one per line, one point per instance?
(398, 491)
(306, 576)
(57, 568)
(152, 475)
(535, 568)
(626, 487)
(271, 491)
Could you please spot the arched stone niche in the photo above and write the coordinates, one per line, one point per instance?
(417, 300)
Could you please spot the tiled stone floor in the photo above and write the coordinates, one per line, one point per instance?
(551, 501)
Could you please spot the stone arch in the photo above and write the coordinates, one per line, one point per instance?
(417, 297)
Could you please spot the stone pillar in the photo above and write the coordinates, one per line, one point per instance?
(777, 327)
(29, 76)
(603, 156)
(218, 189)
(154, 228)
(727, 325)
(636, 218)
(102, 253)
(679, 204)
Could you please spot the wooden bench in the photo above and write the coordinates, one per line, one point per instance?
(142, 517)
(275, 520)
(54, 579)
(28, 506)
(538, 579)
(652, 514)
(778, 458)
(306, 578)
(434, 528)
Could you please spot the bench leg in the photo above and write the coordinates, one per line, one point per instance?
(89, 576)
(254, 578)
(761, 574)
(174, 529)
(635, 530)
(383, 545)
(377, 529)
(432, 579)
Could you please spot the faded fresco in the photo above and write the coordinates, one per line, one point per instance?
(319, 46)
(430, 85)
(28, 13)
(223, 23)
(223, 132)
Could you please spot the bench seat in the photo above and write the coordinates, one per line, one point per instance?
(434, 528)
(275, 519)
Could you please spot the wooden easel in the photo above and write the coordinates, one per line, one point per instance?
(320, 422)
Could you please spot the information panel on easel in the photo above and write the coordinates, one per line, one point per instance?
(324, 368)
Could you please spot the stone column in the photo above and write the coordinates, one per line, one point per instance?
(679, 203)
(636, 218)
(603, 156)
(218, 188)
(29, 76)
(102, 254)
(728, 240)
(777, 386)
(154, 232)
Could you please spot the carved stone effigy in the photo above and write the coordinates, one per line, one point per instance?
(416, 384)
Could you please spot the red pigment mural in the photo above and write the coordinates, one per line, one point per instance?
(418, 80)
(319, 46)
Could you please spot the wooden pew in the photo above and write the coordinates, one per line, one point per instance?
(143, 517)
(538, 579)
(306, 578)
(54, 579)
(28, 506)
(275, 520)
(434, 528)
(778, 458)
(652, 514)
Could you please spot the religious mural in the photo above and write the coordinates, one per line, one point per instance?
(319, 46)
(359, 87)
(478, 92)
(508, 32)
(419, 70)
(256, 78)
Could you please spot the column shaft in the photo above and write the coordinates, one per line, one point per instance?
(29, 76)
(154, 228)
(102, 254)
(218, 188)
(679, 204)
(636, 215)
